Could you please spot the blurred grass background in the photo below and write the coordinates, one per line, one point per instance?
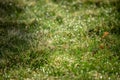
(60, 39)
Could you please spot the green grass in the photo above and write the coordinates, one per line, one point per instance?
(60, 40)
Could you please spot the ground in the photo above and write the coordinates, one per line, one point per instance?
(60, 40)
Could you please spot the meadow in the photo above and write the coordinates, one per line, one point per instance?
(60, 40)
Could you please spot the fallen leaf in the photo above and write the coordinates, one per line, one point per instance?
(101, 46)
(105, 34)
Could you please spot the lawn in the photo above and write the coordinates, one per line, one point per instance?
(60, 40)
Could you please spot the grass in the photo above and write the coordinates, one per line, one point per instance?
(60, 40)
